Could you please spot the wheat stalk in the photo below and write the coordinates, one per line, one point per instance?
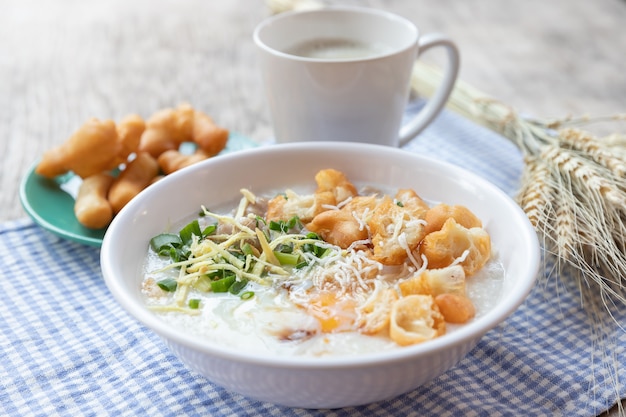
(573, 190)
(573, 187)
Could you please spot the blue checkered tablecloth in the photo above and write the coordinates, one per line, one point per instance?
(67, 347)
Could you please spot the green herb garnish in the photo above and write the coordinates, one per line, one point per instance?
(287, 258)
(187, 232)
(237, 286)
(168, 284)
(283, 226)
(247, 295)
(222, 285)
(165, 241)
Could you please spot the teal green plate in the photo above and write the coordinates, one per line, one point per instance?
(50, 202)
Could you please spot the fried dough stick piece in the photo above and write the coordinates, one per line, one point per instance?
(332, 188)
(172, 160)
(443, 247)
(209, 137)
(138, 175)
(347, 225)
(375, 315)
(92, 149)
(455, 308)
(336, 184)
(167, 129)
(97, 146)
(437, 216)
(415, 319)
(92, 209)
(129, 131)
(395, 230)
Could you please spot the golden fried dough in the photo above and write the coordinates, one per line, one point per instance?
(411, 201)
(395, 231)
(209, 137)
(167, 129)
(437, 216)
(415, 319)
(101, 147)
(138, 175)
(173, 160)
(331, 180)
(346, 225)
(338, 227)
(433, 282)
(455, 308)
(129, 131)
(332, 188)
(362, 206)
(444, 247)
(305, 207)
(92, 209)
(92, 149)
(375, 315)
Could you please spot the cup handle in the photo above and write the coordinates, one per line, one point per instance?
(438, 100)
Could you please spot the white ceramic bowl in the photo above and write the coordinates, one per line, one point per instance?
(307, 381)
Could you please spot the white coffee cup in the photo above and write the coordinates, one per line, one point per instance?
(343, 74)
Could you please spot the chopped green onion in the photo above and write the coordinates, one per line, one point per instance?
(166, 251)
(399, 204)
(293, 222)
(284, 248)
(187, 232)
(176, 254)
(209, 230)
(194, 303)
(168, 284)
(164, 240)
(247, 249)
(222, 285)
(284, 226)
(278, 226)
(318, 251)
(237, 286)
(324, 252)
(220, 274)
(260, 221)
(247, 295)
(237, 254)
(287, 258)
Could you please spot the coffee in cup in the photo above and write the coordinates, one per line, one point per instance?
(343, 74)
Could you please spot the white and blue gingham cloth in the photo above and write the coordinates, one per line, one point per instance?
(68, 348)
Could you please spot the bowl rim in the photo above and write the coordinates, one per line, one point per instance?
(258, 35)
(460, 336)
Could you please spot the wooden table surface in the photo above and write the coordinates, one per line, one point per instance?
(63, 61)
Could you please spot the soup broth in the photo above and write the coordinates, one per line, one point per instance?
(338, 49)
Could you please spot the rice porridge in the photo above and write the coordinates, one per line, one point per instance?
(332, 270)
